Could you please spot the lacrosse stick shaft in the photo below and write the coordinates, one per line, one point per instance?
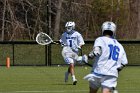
(88, 64)
(81, 53)
(55, 43)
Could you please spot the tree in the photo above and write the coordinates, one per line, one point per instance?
(138, 34)
(57, 20)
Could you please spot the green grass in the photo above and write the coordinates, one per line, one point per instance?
(51, 80)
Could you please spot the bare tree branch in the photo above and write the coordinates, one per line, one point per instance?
(3, 20)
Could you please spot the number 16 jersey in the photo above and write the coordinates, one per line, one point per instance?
(112, 56)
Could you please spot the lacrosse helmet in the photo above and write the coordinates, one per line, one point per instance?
(109, 26)
(70, 26)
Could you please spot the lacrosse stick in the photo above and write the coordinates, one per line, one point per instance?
(44, 39)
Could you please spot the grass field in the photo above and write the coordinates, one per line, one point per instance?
(32, 79)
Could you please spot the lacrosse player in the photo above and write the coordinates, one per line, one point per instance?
(110, 58)
(72, 42)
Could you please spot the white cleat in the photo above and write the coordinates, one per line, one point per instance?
(75, 82)
(66, 76)
(85, 58)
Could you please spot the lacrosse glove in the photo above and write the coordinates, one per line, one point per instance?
(121, 67)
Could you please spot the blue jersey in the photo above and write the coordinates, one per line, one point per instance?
(112, 56)
(73, 40)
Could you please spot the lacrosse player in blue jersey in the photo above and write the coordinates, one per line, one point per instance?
(110, 58)
(72, 41)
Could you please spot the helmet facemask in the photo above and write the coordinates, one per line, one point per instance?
(70, 26)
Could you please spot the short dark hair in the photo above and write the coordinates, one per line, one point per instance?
(107, 32)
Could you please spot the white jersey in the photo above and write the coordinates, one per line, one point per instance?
(112, 56)
(73, 40)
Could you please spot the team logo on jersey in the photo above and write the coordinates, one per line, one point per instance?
(70, 37)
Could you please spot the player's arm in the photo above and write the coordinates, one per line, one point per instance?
(62, 41)
(97, 51)
(97, 48)
(80, 41)
(123, 61)
(120, 68)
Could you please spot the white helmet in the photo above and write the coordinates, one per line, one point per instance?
(109, 26)
(70, 26)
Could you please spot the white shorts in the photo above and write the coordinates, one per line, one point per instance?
(102, 81)
(68, 55)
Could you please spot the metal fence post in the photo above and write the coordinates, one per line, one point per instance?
(48, 31)
(13, 48)
(48, 55)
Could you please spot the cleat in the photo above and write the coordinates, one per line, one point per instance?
(75, 82)
(66, 76)
(85, 58)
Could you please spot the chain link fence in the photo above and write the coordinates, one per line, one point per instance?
(32, 54)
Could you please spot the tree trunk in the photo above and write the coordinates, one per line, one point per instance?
(3, 20)
(133, 18)
(138, 34)
(57, 20)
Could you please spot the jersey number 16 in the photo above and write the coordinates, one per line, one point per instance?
(114, 52)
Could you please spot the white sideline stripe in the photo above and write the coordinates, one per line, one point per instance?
(57, 91)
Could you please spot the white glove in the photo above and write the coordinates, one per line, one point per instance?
(120, 68)
(91, 54)
(76, 49)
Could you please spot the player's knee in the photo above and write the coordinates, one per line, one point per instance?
(106, 90)
(71, 65)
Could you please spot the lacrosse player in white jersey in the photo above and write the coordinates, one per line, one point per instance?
(71, 41)
(110, 58)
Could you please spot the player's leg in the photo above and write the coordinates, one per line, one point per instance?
(92, 90)
(94, 83)
(67, 74)
(109, 90)
(108, 84)
(70, 61)
(69, 57)
(106, 90)
(72, 73)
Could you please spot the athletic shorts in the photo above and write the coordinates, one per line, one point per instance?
(68, 55)
(103, 81)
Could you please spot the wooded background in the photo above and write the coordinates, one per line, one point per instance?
(23, 19)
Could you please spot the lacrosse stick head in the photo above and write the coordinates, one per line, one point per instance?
(43, 39)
